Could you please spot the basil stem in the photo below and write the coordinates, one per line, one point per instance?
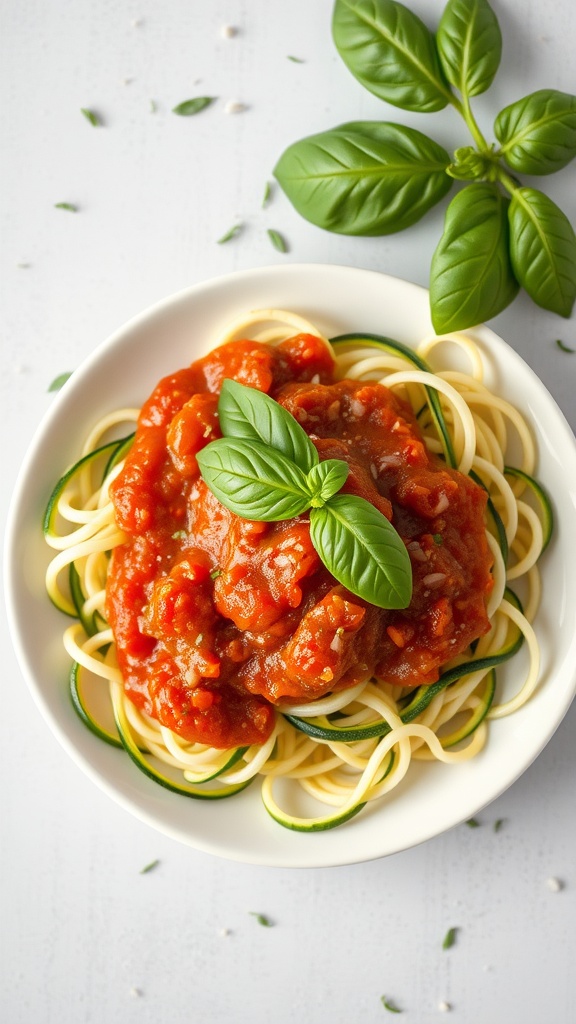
(377, 178)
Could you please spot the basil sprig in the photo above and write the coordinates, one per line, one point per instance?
(265, 467)
(378, 177)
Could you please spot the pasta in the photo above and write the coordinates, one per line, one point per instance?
(351, 747)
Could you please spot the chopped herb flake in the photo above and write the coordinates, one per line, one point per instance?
(215, 574)
(153, 107)
(150, 867)
(267, 194)
(391, 1007)
(59, 381)
(91, 116)
(563, 347)
(262, 919)
(189, 107)
(438, 538)
(235, 230)
(277, 240)
(498, 824)
(295, 60)
(473, 823)
(449, 938)
(179, 535)
(66, 206)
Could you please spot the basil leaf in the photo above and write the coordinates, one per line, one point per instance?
(247, 413)
(326, 479)
(538, 132)
(365, 177)
(253, 480)
(543, 250)
(362, 550)
(189, 107)
(471, 277)
(469, 44)
(391, 52)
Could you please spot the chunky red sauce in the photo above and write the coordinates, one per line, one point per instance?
(217, 619)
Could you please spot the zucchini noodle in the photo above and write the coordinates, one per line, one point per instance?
(350, 748)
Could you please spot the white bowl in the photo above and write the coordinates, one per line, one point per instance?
(122, 372)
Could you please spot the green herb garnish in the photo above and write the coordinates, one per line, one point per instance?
(266, 468)
(215, 574)
(267, 194)
(295, 60)
(563, 347)
(379, 177)
(449, 938)
(472, 823)
(438, 539)
(498, 824)
(189, 107)
(235, 230)
(391, 1007)
(91, 117)
(277, 240)
(66, 206)
(262, 919)
(149, 867)
(59, 381)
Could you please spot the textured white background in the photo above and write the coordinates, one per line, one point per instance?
(85, 936)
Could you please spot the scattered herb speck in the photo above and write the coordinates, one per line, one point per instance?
(189, 107)
(277, 240)
(473, 823)
(563, 347)
(66, 206)
(267, 194)
(295, 60)
(449, 938)
(149, 867)
(234, 230)
(59, 381)
(261, 918)
(91, 117)
(498, 824)
(388, 1005)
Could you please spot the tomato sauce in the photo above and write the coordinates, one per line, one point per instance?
(217, 619)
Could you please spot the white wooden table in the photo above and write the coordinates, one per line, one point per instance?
(86, 937)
